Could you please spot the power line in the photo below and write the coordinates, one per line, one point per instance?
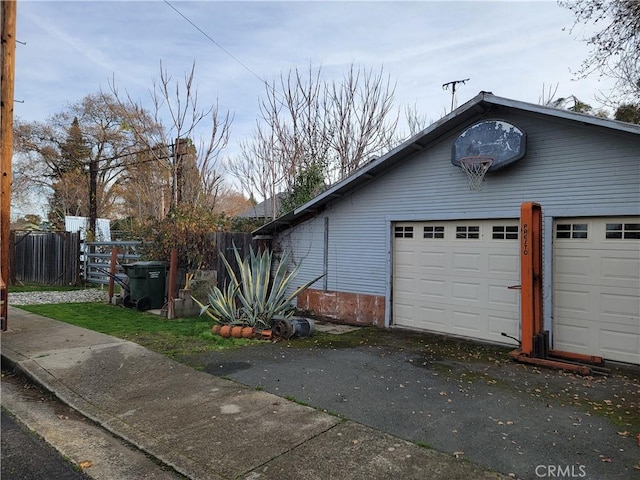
(216, 43)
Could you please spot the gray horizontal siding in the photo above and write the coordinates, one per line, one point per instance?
(567, 167)
(305, 246)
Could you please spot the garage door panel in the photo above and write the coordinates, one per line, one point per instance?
(619, 307)
(466, 322)
(466, 291)
(571, 337)
(620, 270)
(505, 264)
(404, 259)
(501, 295)
(433, 288)
(432, 318)
(623, 345)
(572, 267)
(597, 290)
(466, 262)
(567, 301)
(507, 324)
(433, 260)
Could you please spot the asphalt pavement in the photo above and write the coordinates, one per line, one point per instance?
(27, 457)
(460, 398)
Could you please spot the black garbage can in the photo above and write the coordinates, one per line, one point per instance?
(147, 284)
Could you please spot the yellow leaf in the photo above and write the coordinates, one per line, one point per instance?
(86, 464)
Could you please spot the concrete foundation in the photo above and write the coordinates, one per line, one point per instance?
(353, 308)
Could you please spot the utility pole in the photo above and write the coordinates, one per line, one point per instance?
(445, 86)
(8, 12)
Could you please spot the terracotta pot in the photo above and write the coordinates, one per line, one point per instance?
(236, 332)
(225, 331)
(247, 332)
(216, 329)
(266, 334)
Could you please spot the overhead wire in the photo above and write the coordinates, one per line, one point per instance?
(193, 24)
(276, 94)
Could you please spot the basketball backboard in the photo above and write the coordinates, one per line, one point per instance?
(503, 142)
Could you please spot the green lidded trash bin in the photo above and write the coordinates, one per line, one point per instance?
(147, 282)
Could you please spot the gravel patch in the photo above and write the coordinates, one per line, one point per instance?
(70, 296)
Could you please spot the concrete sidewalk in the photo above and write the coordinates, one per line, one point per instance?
(203, 426)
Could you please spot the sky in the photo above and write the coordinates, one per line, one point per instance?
(514, 49)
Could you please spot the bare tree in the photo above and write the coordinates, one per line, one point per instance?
(293, 123)
(305, 121)
(196, 135)
(615, 45)
(360, 107)
(260, 170)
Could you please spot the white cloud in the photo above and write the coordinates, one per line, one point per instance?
(510, 48)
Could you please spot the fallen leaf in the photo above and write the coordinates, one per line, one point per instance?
(63, 417)
(623, 434)
(604, 458)
(458, 454)
(85, 464)
(443, 393)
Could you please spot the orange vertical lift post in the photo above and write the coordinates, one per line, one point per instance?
(534, 340)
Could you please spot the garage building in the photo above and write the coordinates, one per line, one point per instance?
(405, 242)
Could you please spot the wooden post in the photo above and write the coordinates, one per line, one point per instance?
(171, 291)
(8, 11)
(112, 271)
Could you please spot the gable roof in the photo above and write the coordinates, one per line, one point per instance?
(481, 103)
(263, 209)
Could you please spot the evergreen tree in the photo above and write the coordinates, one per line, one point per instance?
(70, 180)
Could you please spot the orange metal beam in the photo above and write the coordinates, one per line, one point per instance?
(579, 357)
(530, 274)
(551, 363)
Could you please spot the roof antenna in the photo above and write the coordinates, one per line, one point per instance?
(445, 86)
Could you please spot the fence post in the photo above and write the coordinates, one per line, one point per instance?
(173, 266)
(112, 270)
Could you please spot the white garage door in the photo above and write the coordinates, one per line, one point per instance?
(596, 287)
(452, 277)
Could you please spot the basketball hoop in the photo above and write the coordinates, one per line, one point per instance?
(476, 168)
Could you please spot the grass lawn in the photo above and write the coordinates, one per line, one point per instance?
(183, 336)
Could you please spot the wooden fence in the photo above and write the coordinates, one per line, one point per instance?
(48, 258)
(60, 258)
(225, 242)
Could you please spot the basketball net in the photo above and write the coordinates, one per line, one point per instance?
(476, 168)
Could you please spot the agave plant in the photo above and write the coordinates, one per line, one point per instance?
(222, 306)
(259, 295)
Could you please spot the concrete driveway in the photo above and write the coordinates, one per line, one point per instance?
(465, 399)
